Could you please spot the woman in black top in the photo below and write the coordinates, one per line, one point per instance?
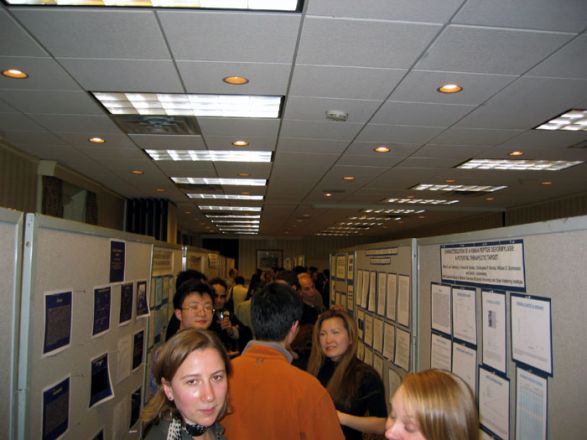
(355, 387)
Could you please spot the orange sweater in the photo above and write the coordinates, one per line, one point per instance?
(272, 399)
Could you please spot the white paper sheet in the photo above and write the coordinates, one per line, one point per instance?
(441, 308)
(494, 402)
(377, 335)
(361, 323)
(402, 349)
(368, 356)
(464, 314)
(365, 289)
(378, 364)
(464, 364)
(531, 406)
(494, 330)
(368, 339)
(391, 296)
(403, 300)
(440, 352)
(123, 358)
(372, 291)
(381, 288)
(388, 341)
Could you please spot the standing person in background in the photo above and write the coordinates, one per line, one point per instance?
(272, 399)
(232, 274)
(355, 387)
(310, 295)
(243, 311)
(192, 375)
(239, 291)
(224, 324)
(182, 277)
(433, 405)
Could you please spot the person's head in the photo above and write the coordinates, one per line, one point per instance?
(192, 369)
(239, 280)
(433, 405)
(194, 305)
(288, 277)
(232, 273)
(307, 289)
(335, 336)
(299, 269)
(189, 274)
(275, 310)
(220, 289)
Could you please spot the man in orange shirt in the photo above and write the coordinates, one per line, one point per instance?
(270, 398)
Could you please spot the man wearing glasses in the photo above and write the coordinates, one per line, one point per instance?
(194, 305)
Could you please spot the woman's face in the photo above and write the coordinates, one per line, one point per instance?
(199, 387)
(401, 424)
(334, 338)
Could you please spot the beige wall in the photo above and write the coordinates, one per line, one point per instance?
(18, 180)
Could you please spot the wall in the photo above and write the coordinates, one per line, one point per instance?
(18, 180)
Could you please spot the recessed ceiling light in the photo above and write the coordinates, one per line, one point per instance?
(211, 155)
(230, 208)
(188, 212)
(421, 216)
(382, 149)
(516, 153)
(235, 80)
(137, 172)
(450, 180)
(572, 120)
(518, 165)
(218, 181)
(15, 74)
(223, 197)
(546, 183)
(283, 5)
(490, 199)
(327, 194)
(243, 174)
(348, 178)
(240, 143)
(160, 190)
(229, 106)
(457, 188)
(450, 88)
(412, 201)
(97, 140)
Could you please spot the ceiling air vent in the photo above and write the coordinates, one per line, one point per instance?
(201, 188)
(145, 124)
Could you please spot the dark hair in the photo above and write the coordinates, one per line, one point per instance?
(239, 280)
(290, 278)
(220, 281)
(169, 359)
(274, 310)
(191, 286)
(299, 269)
(253, 285)
(189, 274)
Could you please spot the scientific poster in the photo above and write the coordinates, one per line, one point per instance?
(372, 291)
(403, 300)
(102, 304)
(381, 285)
(126, 296)
(58, 310)
(142, 299)
(531, 405)
(137, 349)
(532, 332)
(494, 402)
(101, 385)
(464, 364)
(494, 330)
(117, 260)
(440, 352)
(388, 341)
(402, 349)
(464, 312)
(441, 308)
(340, 267)
(56, 410)
(391, 296)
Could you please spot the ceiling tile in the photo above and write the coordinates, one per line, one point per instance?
(162, 141)
(238, 127)
(52, 101)
(232, 169)
(256, 143)
(568, 62)
(390, 134)
(474, 136)
(81, 124)
(18, 122)
(44, 73)
(15, 41)
(314, 109)
(316, 130)
(410, 113)
(301, 145)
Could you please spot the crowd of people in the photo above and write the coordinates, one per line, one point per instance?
(290, 367)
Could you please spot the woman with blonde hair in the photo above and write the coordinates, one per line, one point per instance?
(433, 405)
(192, 371)
(355, 387)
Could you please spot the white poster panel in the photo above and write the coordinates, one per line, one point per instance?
(464, 314)
(494, 330)
(441, 308)
(494, 403)
(531, 406)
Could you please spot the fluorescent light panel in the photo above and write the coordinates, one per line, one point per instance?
(229, 106)
(224, 197)
(233, 216)
(465, 188)
(573, 120)
(518, 165)
(265, 5)
(230, 208)
(228, 222)
(218, 181)
(394, 211)
(367, 218)
(211, 155)
(421, 201)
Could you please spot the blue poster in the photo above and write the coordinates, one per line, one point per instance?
(101, 388)
(142, 304)
(117, 255)
(101, 310)
(57, 321)
(125, 303)
(56, 410)
(137, 349)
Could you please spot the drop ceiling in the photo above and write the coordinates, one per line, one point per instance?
(520, 63)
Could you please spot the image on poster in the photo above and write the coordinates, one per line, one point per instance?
(101, 384)
(440, 352)
(56, 400)
(464, 314)
(494, 402)
(494, 330)
(142, 299)
(402, 349)
(126, 297)
(137, 349)
(440, 308)
(464, 364)
(403, 300)
(117, 260)
(391, 296)
(531, 405)
(531, 327)
(381, 286)
(58, 314)
(102, 305)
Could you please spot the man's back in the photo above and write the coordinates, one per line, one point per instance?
(272, 399)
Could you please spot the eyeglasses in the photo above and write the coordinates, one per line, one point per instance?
(208, 308)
